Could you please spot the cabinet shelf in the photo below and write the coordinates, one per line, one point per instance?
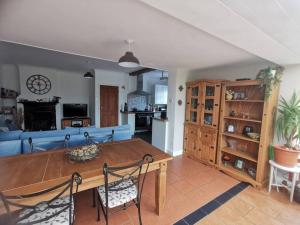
(210, 97)
(208, 111)
(240, 154)
(246, 101)
(237, 136)
(242, 119)
(240, 174)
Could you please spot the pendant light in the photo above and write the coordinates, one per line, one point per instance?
(129, 60)
(88, 75)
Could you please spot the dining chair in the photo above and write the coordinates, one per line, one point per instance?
(98, 138)
(49, 144)
(125, 188)
(57, 210)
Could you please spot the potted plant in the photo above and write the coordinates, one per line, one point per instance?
(270, 77)
(288, 130)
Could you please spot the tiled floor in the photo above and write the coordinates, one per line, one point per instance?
(191, 185)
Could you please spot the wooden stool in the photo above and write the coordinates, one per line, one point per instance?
(274, 167)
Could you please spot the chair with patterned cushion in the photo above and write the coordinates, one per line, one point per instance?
(125, 188)
(49, 144)
(57, 210)
(98, 138)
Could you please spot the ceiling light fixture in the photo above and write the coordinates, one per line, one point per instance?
(129, 60)
(88, 75)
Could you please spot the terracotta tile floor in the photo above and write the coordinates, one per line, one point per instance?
(189, 186)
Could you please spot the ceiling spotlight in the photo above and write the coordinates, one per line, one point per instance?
(128, 59)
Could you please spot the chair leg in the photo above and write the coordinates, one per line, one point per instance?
(94, 198)
(139, 211)
(98, 209)
(106, 218)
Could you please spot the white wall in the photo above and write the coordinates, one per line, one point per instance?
(176, 114)
(149, 83)
(70, 86)
(10, 77)
(175, 111)
(105, 77)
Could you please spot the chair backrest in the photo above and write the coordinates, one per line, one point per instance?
(66, 187)
(48, 144)
(133, 174)
(98, 138)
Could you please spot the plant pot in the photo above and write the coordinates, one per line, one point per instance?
(286, 156)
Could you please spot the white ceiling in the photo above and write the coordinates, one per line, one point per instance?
(11, 53)
(97, 28)
(269, 29)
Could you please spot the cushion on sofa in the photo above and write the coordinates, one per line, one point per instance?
(77, 140)
(50, 133)
(10, 135)
(42, 144)
(8, 148)
(120, 135)
(104, 129)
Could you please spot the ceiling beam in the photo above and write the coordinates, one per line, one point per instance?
(141, 71)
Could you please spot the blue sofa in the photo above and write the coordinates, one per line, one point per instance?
(9, 148)
(18, 141)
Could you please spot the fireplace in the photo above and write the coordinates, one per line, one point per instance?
(39, 116)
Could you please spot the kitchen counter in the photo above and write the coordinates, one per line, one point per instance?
(127, 112)
(133, 112)
(160, 133)
(160, 119)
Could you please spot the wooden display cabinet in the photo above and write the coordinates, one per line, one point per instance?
(202, 120)
(247, 109)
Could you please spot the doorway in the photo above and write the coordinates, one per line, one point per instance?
(109, 105)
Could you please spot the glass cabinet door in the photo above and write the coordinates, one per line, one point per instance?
(210, 103)
(193, 103)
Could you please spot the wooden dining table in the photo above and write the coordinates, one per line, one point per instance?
(28, 173)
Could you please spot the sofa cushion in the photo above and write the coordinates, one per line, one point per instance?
(77, 140)
(50, 133)
(8, 148)
(104, 130)
(43, 144)
(10, 135)
(120, 135)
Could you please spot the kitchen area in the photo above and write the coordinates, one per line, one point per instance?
(146, 107)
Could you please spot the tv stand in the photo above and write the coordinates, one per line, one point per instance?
(75, 122)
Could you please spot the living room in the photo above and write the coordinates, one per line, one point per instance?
(195, 96)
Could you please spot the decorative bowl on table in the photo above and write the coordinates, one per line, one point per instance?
(254, 136)
(83, 153)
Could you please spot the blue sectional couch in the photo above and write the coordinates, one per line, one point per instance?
(17, 142)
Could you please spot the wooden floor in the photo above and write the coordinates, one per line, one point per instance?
(253, 207)
(190, 185)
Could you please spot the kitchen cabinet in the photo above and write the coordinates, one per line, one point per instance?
(161, 94)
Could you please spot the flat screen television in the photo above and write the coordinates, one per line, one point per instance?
(75, 110)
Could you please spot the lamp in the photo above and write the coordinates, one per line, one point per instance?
(88, 75)
(128, 59)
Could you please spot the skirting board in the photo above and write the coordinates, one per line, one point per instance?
(176, 153)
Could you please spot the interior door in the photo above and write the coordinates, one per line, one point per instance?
(109, 105)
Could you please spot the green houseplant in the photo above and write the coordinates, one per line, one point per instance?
(288, 130)
(270, 77)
